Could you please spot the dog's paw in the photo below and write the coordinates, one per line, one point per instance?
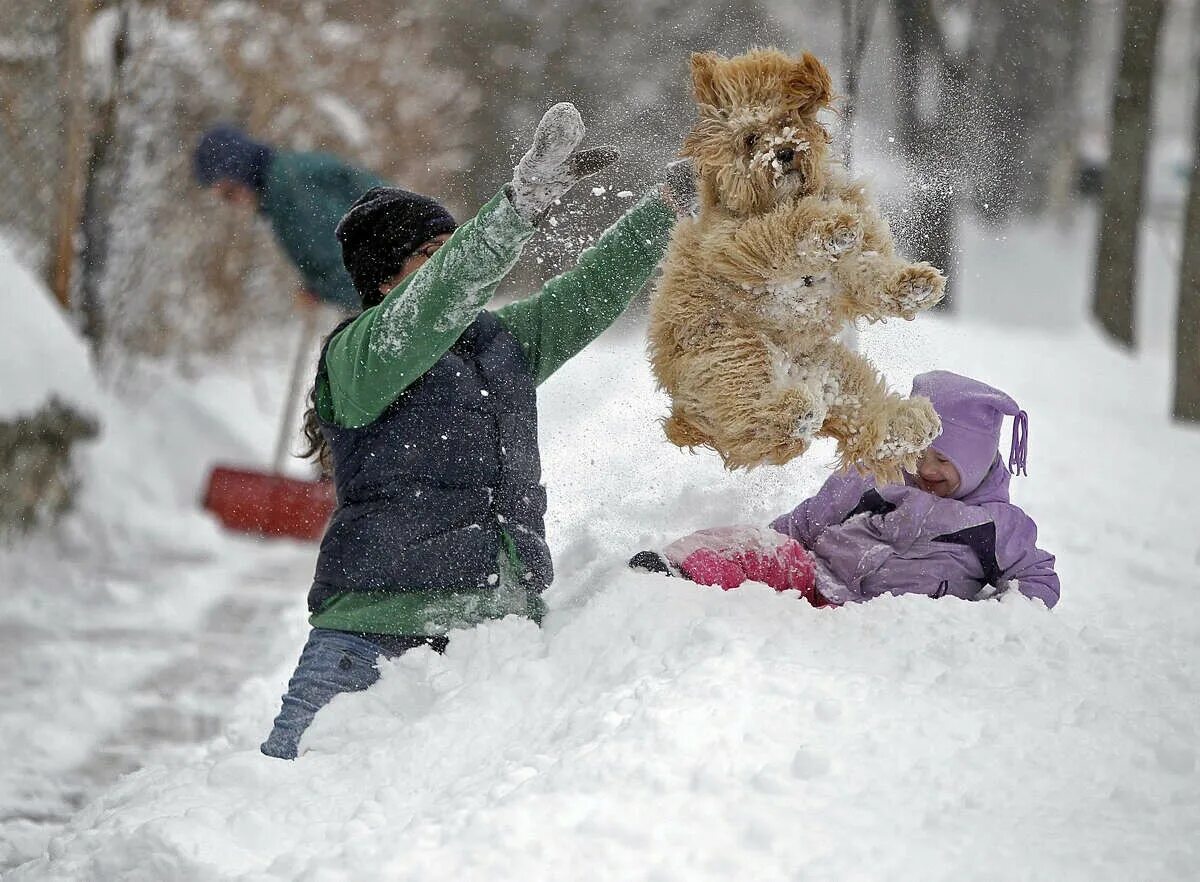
(809, 417)
(806, 425)
(912, 426)
(842, 240)
(917, 288)
(838, 235)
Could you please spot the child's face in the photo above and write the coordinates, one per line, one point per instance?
(937, 475)
(414, 262)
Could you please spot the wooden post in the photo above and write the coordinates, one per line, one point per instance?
(70, 195)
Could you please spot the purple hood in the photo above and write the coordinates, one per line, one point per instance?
(972, 414)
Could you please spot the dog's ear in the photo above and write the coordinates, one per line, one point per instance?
(704, 75)
(809, 87)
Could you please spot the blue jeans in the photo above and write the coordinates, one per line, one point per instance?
(331, 662)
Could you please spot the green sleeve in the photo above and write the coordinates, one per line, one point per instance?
(375, 358)
(572, 309)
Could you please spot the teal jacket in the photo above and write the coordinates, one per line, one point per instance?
(304, 197)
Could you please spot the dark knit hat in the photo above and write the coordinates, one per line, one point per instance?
(383, 228)
(227, 153)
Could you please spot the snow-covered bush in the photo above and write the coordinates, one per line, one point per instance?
(36, 480)
(45, 399)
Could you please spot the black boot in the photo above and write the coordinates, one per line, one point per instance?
(653, 562)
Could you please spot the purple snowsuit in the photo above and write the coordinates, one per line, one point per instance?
(899, 539)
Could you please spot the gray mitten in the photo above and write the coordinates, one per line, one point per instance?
(679, 187)
(553, 165)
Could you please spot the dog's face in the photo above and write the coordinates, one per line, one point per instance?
(758, 142)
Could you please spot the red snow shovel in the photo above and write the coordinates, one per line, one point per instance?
(270, 503)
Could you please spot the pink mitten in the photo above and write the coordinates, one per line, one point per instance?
(797, 564)
(728, 556)
(707, 567)
(787, 567)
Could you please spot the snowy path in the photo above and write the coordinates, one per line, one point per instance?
(103, 693)
(128, 635)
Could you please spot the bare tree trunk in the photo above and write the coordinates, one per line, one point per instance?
(1064, 163)
(1114, 302)
(95, 221)
(927, 137)
(857, 17)
(1187, 323)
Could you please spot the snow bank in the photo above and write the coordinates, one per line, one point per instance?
(162, 428)
(664, 731)
(99, 609)
(658, 730)
(41, 354)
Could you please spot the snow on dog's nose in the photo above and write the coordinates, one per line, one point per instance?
(780, 151)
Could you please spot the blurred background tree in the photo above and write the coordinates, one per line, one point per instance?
(1116, 274)
(1186, 405)
(624, 66)
(150, 262)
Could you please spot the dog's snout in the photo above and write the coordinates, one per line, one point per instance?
(787, 154)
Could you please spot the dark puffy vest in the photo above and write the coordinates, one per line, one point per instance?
(425, 491)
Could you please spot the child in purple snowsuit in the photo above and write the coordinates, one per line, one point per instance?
(950, 529)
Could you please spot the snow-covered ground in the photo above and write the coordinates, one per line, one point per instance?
(651, 729)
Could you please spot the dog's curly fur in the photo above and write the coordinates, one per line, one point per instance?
(785, 250)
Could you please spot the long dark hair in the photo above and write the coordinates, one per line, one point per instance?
(318, 447)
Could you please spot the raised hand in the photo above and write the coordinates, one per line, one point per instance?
(553, 165)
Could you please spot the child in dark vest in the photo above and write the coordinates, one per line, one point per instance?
(425, 407)
(949, 529)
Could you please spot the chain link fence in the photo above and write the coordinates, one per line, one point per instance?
(33, 49)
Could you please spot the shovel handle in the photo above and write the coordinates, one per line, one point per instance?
(308, 331)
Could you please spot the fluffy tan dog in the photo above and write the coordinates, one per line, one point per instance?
(785, 250)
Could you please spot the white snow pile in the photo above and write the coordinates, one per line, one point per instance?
(160, 431)
(653, 729)
(41, 354)
(162, 428)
